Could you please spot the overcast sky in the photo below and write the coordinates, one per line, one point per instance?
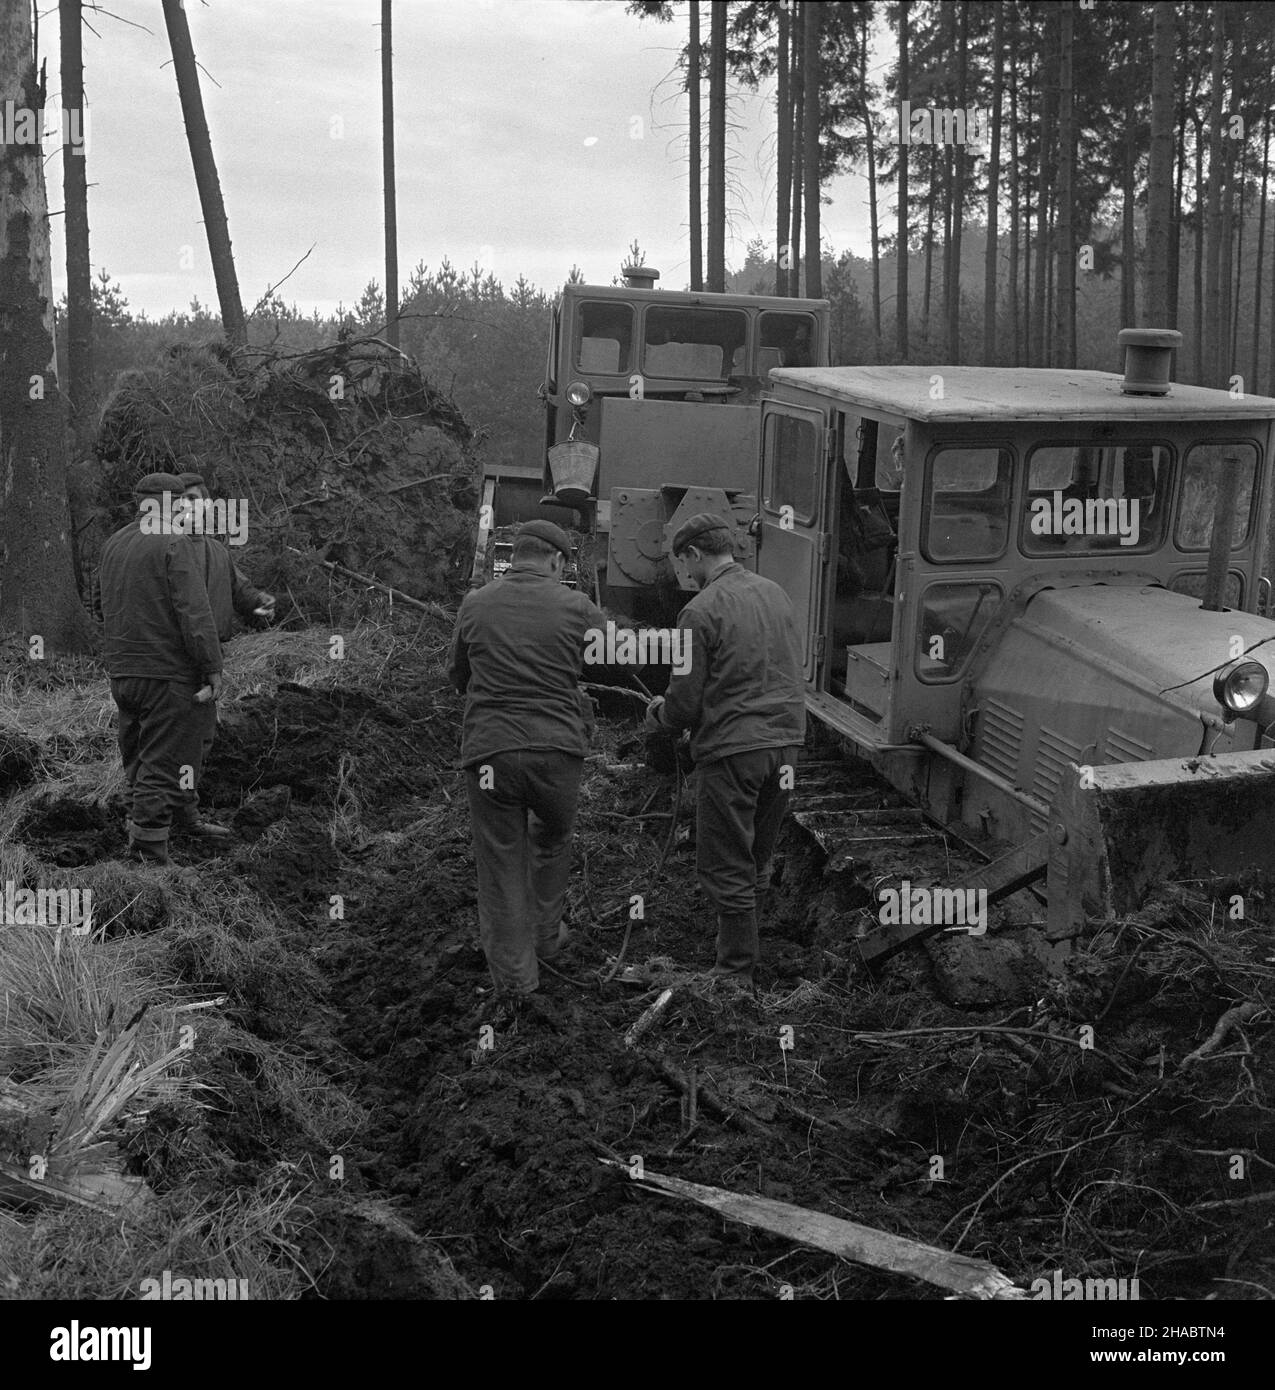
(531, 134)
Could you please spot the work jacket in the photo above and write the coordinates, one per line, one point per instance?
(516, 655)
(229, 591)
(744, 688)
(155, 608)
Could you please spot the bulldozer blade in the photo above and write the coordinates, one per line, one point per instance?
(1119, 831)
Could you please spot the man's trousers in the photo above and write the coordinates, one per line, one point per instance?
(743, 798)
(522, 806)
(163, 736)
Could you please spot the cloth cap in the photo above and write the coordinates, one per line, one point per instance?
(192, 479)
(547, 531)
(696, 526)
(156, 484)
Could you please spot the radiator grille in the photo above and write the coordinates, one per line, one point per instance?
(1053, 754)
(1124, 748)
(1002, 739)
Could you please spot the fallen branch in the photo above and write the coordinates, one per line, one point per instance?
(416, 482)
(375, 583)
(846, 1239)
(711, 1101)
(648, 1018)
(1225, 1026)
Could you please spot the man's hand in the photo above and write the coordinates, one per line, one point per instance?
(265, 607)
(654, 721)
(209, 691)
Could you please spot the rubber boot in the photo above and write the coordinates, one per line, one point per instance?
(551, 940)
(150, 846)
(737, 944)
(202, 830)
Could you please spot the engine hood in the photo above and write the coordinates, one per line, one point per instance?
(1147, 637)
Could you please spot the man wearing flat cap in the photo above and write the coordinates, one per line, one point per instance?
(743, 700)
(229, 590)
(516, 655)
(229, 593)
(163, 657)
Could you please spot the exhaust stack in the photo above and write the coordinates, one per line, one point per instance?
(640, 277)
(1148, 353)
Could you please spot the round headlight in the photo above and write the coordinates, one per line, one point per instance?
(578, 393)
(1239, 687)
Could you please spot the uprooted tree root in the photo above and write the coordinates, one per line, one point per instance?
(1109, 1125)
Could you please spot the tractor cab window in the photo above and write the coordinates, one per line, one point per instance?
(967, 506)
(1085, 499)
(953, 618)
(792, 467)
(694, 344)
(889, 468)
(1200, 475)
(604, 337)
(785, 340)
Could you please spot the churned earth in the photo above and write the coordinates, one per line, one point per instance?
(983, 1127)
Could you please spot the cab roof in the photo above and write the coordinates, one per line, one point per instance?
(628, 295)
(1015, 393)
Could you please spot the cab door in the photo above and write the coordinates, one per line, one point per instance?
(791, 543)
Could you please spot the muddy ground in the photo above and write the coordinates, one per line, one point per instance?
(1013, 1146)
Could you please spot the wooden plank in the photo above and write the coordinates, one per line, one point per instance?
(959, 1274)
(1015, 869)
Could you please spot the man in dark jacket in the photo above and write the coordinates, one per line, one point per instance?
(516, 656)
(229, 591)
(743, 700)
(163, 657)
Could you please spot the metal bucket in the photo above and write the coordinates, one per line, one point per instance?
(573, 467)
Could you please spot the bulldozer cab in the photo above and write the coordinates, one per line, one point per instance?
(909, 530)
(1015, 583)
(651, 414)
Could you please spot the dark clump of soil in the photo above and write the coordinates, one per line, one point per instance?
(981, 1125)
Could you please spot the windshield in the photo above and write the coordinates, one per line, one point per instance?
(699, 344)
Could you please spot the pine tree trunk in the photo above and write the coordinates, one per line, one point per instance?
(1213, 232)
(1025, 356)
(993, 193)
(38, 601)
(929, 247)
(1175, 245)
(716, 269)
(1234, 265)
(1202, 372)
(75, 196)
(1040, 306)
(874, 228)
(1128, 233)
(1064, 353)
(387, 169)
(206, 180)
(958, 196)
(796, 81)
(811, 113)
(1254, 360)
(696, 174)
(1160, 169)
(901, 237)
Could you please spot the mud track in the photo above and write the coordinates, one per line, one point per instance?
(352, 826)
